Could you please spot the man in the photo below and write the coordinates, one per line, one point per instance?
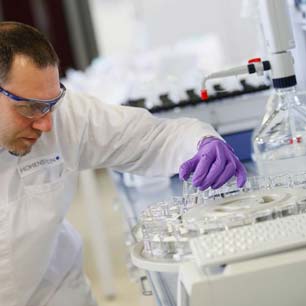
(43, 151)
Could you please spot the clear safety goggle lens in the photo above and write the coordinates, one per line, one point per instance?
(35, 110)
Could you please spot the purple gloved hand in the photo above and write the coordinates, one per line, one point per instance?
(213, 165)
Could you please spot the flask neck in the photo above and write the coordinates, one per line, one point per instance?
(286, 90)
(286, 96)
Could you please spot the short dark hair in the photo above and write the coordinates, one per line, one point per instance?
(21, 39)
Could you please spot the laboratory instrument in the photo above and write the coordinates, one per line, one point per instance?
(277, 279)
(229, 238)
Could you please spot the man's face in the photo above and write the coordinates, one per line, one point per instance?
(17, 133)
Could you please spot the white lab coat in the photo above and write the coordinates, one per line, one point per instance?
(40, 252)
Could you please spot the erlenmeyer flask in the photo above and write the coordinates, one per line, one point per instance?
(280, 141)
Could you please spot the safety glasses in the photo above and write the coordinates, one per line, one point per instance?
(35, 108)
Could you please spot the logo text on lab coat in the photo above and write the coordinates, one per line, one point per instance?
(31, 166)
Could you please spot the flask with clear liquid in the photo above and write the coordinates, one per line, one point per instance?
(280, 141)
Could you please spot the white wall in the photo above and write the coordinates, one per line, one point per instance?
(169, 20)
(125, 25)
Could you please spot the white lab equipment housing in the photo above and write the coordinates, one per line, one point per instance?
(271, 280)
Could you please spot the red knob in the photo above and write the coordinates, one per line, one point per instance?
(204, 95)
(254, 60)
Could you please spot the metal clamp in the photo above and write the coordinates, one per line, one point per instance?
(145, 286)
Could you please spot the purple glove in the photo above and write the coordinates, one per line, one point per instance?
(213, 165)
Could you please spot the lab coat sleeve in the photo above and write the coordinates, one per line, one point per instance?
(132, 140)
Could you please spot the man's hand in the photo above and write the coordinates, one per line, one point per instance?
(213, 165)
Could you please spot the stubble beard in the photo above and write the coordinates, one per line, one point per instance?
(14, 144)
(19, 153)
(17, 148)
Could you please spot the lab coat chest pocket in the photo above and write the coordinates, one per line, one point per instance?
(48, 202)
